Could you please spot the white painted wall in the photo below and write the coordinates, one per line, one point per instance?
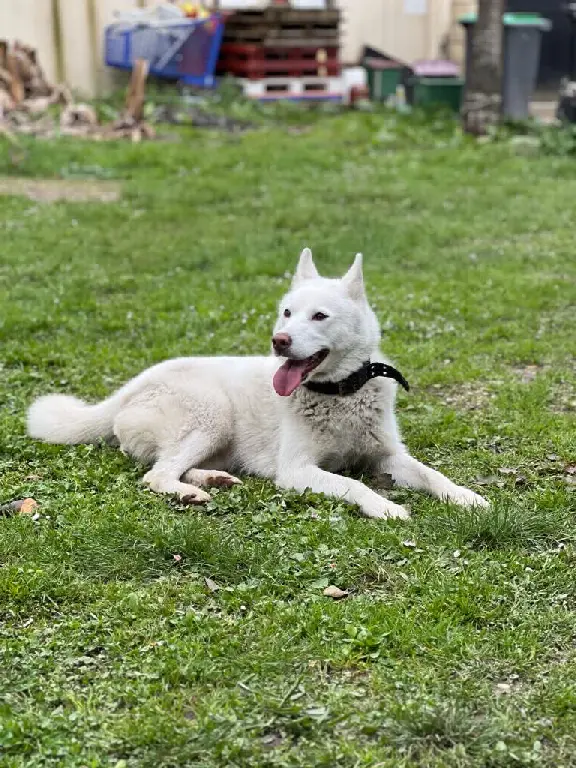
(30, 21)
(81, 25)
(394, 27)
(385, 24)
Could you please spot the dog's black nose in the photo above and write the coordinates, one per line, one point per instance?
(281, 342)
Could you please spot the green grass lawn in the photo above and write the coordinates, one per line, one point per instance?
(456, 645)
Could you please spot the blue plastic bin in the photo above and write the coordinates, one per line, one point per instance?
(184, 50)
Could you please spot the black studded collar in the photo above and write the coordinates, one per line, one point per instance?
(357, 379)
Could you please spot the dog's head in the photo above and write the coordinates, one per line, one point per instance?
(325, 328)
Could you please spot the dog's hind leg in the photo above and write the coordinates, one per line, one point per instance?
(173, 462)
(211, 478)
(409, 472)
(177, 431)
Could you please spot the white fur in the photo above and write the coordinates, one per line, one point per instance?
(196, 419)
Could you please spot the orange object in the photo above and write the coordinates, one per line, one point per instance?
(359, 93)
(194, 11)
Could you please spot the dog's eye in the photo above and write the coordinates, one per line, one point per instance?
(319, 316)
(287, 313)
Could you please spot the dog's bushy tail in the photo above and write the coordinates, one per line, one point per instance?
(65, 419)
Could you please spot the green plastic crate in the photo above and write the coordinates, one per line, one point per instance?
(383, 77)
(435, 91)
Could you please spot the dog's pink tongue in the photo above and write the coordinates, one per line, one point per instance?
(288, 377)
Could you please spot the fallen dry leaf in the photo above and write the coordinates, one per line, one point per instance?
(19, 507)
(212, 586)
(335, 592)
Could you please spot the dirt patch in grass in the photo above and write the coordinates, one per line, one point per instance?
(527, 373)
(54, 190)
(470, 396)
(561, 395)
(562, 398)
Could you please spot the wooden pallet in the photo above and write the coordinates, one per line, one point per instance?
(283, 16)
(294, 89)
(283, 26)
(257, 62)
(328, 5)
(270, 38)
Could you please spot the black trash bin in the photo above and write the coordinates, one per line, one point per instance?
(522, 42)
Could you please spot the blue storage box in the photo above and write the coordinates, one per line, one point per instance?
(185, 50)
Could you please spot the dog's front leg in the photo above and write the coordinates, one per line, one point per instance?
(308, 476)
(408, 472)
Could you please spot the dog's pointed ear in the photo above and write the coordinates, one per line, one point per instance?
(354, 280)
(306, 269)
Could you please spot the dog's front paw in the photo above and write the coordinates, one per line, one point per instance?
(384, 510)
(467, 498)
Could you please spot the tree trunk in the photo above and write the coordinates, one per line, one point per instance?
(483, 93)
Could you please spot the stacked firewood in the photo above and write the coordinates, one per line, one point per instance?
(30, 104)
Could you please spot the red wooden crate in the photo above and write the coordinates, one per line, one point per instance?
(258, 61)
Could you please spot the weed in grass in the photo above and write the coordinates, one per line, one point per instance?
(509, 523)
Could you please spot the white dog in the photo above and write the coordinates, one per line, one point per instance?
(328, 407)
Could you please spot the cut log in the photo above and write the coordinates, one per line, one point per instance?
(16, 86)
(134, 109)
(5, 79)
